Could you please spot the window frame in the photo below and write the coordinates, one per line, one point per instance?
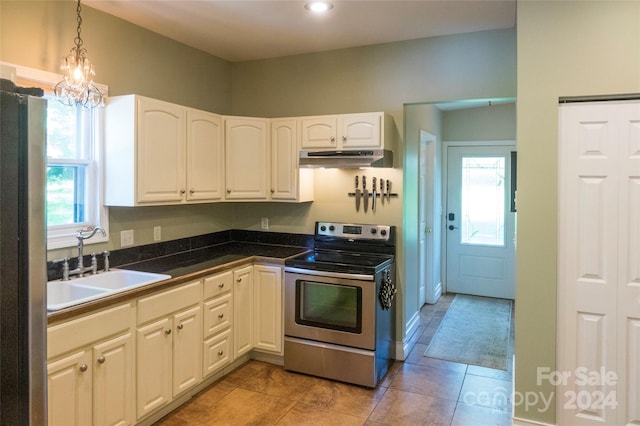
(63, 236)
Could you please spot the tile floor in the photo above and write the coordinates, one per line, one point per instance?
(418, 391)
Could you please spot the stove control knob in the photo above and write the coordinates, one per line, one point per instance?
(374, 231)
(323, 228)
(332, 228)
(383, 232)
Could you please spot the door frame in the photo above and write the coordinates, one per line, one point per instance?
(430, 208)
(445, 201)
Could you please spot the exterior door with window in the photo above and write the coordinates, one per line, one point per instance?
(480, 227)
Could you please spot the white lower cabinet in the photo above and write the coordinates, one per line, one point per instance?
(243, 310)
(90, 369)
(168, 337)
(267, 324)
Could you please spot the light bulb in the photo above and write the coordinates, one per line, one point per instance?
(318, 6)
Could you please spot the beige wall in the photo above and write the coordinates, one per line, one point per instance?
(488, 123)
(564, 49)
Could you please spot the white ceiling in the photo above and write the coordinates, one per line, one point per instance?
(242, 30)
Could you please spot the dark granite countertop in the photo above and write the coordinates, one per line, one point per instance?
(186, 266)
(196, 260)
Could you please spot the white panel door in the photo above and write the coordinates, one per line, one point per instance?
(267, 329)
(69, 390)
(153, 369)
(247, 158)
(480, 226)
(598, 263)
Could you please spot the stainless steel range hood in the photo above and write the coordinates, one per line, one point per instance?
(347, 159)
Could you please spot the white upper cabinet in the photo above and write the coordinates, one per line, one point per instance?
(160, 153)
(288, 181)
(347, 131)
(205, 156)
(247, 158)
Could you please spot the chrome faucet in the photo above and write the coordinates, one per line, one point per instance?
(81, 269)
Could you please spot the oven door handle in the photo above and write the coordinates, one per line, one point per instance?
(346, 276)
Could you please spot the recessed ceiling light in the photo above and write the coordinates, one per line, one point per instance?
(318, 6)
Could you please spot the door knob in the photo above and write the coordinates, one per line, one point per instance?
(451, 227)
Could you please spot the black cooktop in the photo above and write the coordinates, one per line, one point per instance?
(340, 261)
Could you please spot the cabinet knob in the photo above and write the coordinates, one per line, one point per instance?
(228, 191)
(180, 326)
(220, 316)
(220, 353)
(344, 139)
(101, 360)
(167, 331)
(239, 280)
(182, 191)
(332, 139)
(83, 367)
(273, 191)
(221, 285)
(192, 191)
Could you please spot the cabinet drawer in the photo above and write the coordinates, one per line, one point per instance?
(217, 314)
(218, 284)
(87, 329)
(216, 352)
(163, 304)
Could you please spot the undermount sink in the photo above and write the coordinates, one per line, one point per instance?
(63, 294)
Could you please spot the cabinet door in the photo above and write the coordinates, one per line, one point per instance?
(284, 159)
(113, 382)
(320, 132)
(360, 131)
(243, 310)
(69, 390)
(153, 366)
(267, 330)
(160, 151)
(187, 358)
(205, 156)
(247, 158)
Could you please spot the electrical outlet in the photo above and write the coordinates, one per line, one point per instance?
(126, 238)
(264, 223)
(157, 233)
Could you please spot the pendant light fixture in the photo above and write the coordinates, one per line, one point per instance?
(76, 87)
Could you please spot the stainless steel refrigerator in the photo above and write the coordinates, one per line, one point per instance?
(22, 258)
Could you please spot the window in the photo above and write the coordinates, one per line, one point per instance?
(74, 164)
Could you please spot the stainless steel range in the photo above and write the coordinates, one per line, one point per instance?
(339, 304)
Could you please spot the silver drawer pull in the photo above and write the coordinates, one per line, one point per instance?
(101, 360)
(83, 367)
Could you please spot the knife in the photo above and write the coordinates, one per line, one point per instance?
(358, 195)
(373, 195)
(365, 193)
(382, 191)
(388, 191)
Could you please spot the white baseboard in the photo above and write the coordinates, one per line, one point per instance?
(522, 422)
(404, 347)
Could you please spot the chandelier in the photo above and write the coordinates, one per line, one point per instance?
(76, 87)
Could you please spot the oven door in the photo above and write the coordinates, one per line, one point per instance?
(332, 310)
